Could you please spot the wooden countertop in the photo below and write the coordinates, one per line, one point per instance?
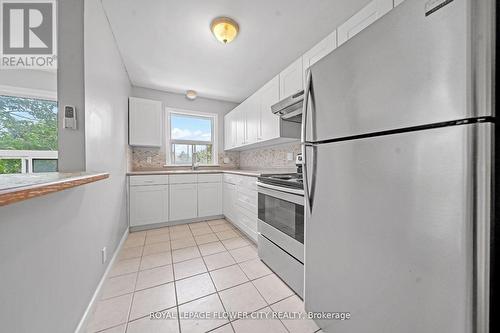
(19, 187)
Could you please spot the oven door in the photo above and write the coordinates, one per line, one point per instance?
(281, 220)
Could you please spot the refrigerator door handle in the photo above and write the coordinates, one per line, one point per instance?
(307, 91)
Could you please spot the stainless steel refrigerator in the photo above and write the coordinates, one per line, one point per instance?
(398, 140)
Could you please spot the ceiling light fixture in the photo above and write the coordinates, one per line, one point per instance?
(191, 95)
(224, 29)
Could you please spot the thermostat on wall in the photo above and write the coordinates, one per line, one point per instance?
(69, 117)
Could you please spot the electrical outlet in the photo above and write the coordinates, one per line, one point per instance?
(149, 159)
(289, 156)
(104, 255)
(226, 160)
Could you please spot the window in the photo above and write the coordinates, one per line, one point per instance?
(28, 134)
(189, 134)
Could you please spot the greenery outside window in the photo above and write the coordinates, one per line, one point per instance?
(188, 133)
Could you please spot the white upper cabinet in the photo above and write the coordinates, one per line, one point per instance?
(269, 122)
(240, 118)
(230, 130)
(251, 109)
(291, 79)
(327, 45)
(362, 19)
(145, 125)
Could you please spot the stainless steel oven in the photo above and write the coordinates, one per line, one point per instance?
(281, 232)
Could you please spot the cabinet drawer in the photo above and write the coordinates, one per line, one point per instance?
(148, 180)
(183, 179)
(249, 183)
(247, 199)
(210, 178)
(229, 178)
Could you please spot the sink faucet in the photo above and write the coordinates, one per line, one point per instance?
(194, 163)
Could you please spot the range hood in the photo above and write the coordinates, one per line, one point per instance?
(290, 108)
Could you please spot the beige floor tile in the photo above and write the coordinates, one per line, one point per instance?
(211, 248)
(181, 234)
(228, 277)
(166, 324)
(242, 298)
(201, 231)
(244, 253)
(109, 313)
(219, 260)
(125, 267)
(119, 285)
(295, 304)
(194, 287)
(182, 243)
(116, 329)
(185, 254)
(158, 238)
(155, 260)
(197, 225)
(130, 253)
(255, 269)
(226, 234)
(259, 325)
(152, 299)
(272, 288)
(221, 227)
(179, 228)
(210, 304)
(133, 242)
(156, 248)
(217, 222)
(234, 243)
(158, 231)
(207, 238)
(154, 277)
(223, 329)
(189, 268)
(137, 235)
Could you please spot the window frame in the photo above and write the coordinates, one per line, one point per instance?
(196, 114)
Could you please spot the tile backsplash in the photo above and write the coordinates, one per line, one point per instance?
(274, 157)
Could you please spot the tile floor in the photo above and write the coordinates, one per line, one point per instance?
(193, 268)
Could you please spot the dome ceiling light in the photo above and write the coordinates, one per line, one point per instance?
(191, 95)
(224, 29)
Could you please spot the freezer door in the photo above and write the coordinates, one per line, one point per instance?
(405, 70)
(389, 237)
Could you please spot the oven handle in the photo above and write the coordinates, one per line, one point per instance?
(281, 189)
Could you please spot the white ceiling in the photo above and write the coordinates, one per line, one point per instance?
(168, 45)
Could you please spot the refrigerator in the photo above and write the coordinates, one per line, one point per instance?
(399, 146)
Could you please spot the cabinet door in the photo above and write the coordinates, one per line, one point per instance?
(327, 45)
(362, 19)
(270, 123)
(229, 200)
(291, 79)
(148, 204)
(252, 112)
(240, 126)
(183, 201)
(145, 122)
(209, 199)
(227, 131)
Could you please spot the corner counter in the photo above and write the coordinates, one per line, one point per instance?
(19, 187)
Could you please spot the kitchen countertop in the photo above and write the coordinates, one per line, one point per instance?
(19, 187)
(252, 173)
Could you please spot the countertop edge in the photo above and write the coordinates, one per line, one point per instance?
(249, 173)
(21, 193)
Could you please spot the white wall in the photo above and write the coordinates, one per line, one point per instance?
(50, 260)
(174, 100)
(29, 79)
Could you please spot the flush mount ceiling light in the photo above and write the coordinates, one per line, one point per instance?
(191, 95)
(224, 29)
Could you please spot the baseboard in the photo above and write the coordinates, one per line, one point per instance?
(177, 222)
(82, 325)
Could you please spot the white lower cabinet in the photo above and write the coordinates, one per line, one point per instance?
(148, 204)
(209, 199)
(240, 203)
(183, 201)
